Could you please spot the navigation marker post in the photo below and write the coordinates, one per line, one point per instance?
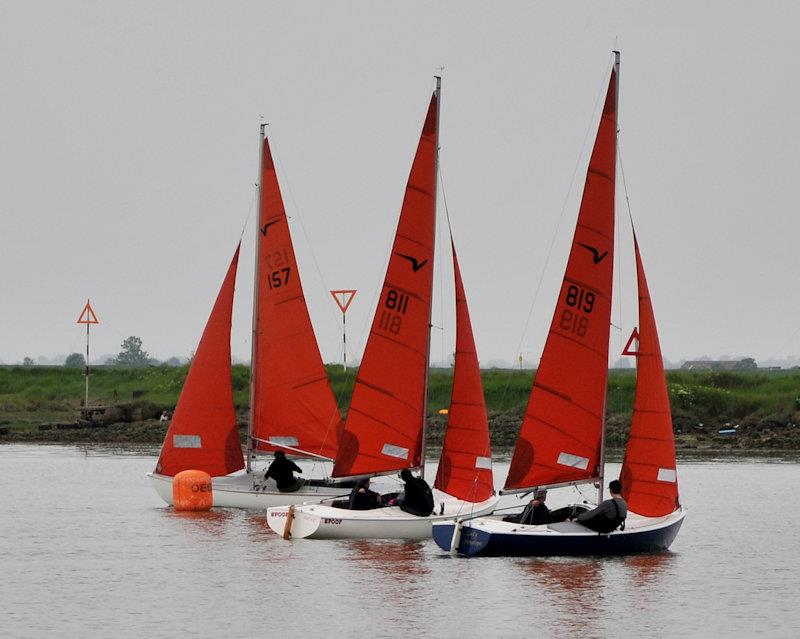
(343, 299)
(87, 317)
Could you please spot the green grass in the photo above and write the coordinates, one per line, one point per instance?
(42, 392)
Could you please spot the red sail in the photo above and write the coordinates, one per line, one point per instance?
(649, 477)
(560, 436)
(465, 467)
(385, 421)
(293, 403)
(203, 433)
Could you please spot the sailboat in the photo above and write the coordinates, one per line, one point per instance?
(385, 427)
(561, 438)
(292, 407)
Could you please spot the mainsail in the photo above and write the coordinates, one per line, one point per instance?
(385, 422)
(561, 432)
(465, 466)
(292, 401)
(203, 433)
(649, 476)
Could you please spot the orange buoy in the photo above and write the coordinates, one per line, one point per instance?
(191, 490)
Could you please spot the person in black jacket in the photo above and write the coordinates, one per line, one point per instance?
(281, 470)
(417, 498)
(362, 498)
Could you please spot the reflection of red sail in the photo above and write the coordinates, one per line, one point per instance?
(649, 477)
(203, 434)
(560, 436)
(385, 421)
(465, 467)
(293, 404)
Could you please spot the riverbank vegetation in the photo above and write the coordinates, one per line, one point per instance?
(755, 410)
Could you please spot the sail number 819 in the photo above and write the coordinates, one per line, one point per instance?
(581, 301)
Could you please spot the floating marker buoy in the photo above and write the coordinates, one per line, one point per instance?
(191, 490)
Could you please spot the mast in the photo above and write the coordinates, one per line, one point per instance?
(438, 94)
(602, 461)
(254, 330)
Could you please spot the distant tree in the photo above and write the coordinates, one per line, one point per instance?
(173, 361)
(75, 360)
(747, 364)
(132, 354)
(27, 362)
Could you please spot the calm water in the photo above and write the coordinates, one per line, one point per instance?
(90, 551)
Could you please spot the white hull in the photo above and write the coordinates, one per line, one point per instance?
(244, 491)
(320, 521)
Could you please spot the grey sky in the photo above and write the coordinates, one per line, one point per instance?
(128, 154)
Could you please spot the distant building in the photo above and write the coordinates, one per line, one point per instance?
(712, 365)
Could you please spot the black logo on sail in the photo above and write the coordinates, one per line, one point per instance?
(415, 266)
(596, 257)
(264, 228)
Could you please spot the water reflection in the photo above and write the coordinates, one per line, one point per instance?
(212, 522)
(402, 560)
(257, 526)
(648, 569)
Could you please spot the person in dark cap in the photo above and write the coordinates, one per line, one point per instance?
(417, 498)
(282, 471)
(609, 515)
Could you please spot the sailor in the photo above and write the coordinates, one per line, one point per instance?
(610, 514)
(417, 498)
(362, 498)
(536, 512)
(281, 470)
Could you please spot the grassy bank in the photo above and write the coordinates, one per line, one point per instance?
(763, 406)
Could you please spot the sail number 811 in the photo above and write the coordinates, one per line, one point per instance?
(572, 319)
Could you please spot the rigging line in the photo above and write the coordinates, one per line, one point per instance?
(250, 210)
(306, 237)
(589, 127)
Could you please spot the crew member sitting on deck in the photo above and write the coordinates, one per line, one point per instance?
(281, 471)
(417, 498)
(610, 514)
(535, 512)
(362, 498)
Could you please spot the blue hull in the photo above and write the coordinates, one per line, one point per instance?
(475, 541)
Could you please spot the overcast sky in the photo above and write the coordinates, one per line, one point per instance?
(129, 151)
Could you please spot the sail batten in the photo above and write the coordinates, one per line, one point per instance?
(567, 400)
(203, 434)
(292, 396)
(388, 401)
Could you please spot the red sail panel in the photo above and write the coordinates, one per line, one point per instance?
(384, 426)
(465, 466)
(649, 476)
(561, 432)
(293, 403)
(203, 433)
